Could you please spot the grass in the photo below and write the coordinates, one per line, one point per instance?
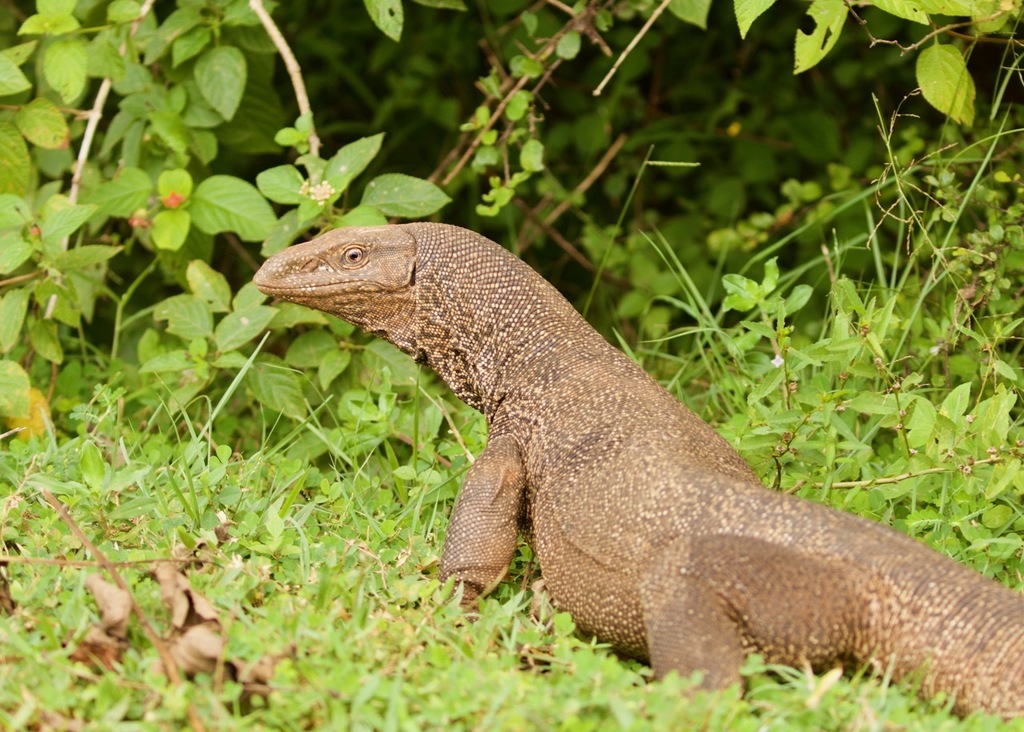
(314, 528)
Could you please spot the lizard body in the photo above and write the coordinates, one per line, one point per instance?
(649, 528)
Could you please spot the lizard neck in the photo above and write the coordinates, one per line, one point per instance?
(487, 321)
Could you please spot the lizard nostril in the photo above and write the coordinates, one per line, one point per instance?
(310, 265)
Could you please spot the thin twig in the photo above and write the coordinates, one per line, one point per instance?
(20, 278)
(170, 667)
(294, 70)
(890, 479)
(632, 44)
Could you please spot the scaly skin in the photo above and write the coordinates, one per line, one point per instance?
(649, 528)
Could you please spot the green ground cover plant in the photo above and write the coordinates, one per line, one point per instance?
(222, 512)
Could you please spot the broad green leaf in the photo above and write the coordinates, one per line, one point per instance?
(276, 387)
(517, 106)
(187, 316)
(123, 11)
(177, 23)
(14, 386)
(120, 197)
(997, 516)
(92, 465)
(171, 130)
(531, 157)
(387, 15)
(13, 307)
(396, 194)
(225, 203)
(828, 16)
(48, 24)
(190, 45)
(20, 53)
(281, 184)
(209, 284)
(42, 334)
(443, 4)
(951, 7)
(362, 216)
(241, 326)
(568, 46)
(14, 252)
(220, 74)
(64, 66)
(43, 124)
(15, 164)
(174, 187)
(694, 12)
(306, 350)
(351, 160)
(84, 256)
(525, 66)
(332, 364)
(747, 11)
(945, 82)
(170, 229)
(12, 80)
(56, 7)
(908, 9)
(955, 403)
(65, 222)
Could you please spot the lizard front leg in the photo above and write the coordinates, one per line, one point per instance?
(484, 527)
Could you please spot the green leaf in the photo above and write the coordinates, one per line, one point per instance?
(945, 83)
(387, 15)
(43, 124)
(517, 106)
(221, 74)
(84, 256)
(48, 24)
(170, 229)
(525, 66)
(65, 222)
(177, 23)
(568, 46)
(225, 203)
(747, 11)
(14, 386)
(13, 308)
(120, 197)
(15, 164)
(123, 11)
(531, 157)
(828, 16)
(209, 284)
(351, 160)
(92, 465)
(442, 4)
(276, 387)
(306, 350)
(362, 216)
(14, 251)
(396, 194)
(174, 187)
(242, 326)
(694, 12)
(12, 80)
(332, 365)
(56, 7)
(907, 9)
(281, 184)
(997, 517)
(955, 403)
(64, 66)
(187, 316)
(42, 334)
(20, 53)
(190, 45)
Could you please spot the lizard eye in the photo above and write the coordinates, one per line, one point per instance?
(354, 255)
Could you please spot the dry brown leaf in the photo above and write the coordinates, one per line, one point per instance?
(114, 603)
(198, 649)
(187, 607)
(99, 649)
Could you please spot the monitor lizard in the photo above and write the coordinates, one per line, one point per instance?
(649, 527)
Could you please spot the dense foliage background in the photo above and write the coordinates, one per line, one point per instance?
(205, 525)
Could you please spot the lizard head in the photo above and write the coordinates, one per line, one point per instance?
(365, 275)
